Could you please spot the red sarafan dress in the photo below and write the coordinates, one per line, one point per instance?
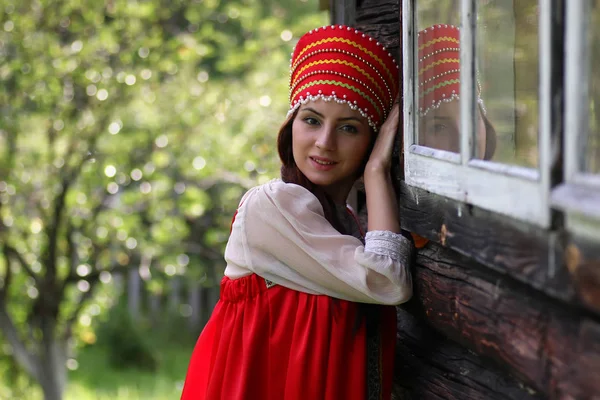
(285, 332)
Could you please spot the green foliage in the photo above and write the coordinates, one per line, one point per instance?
(130, 129)
(125, 344)
(96, 380)
(14, 382)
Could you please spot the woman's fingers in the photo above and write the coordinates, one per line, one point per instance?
(382, 151)
(390, 126)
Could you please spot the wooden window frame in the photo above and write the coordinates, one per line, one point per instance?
(489, 185)
(552, 259)
(579, 196)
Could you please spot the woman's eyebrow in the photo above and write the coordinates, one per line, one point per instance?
(351, 118)
(312, 110)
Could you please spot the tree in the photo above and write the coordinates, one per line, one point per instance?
(119, 121)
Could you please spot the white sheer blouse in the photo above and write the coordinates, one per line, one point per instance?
(281, 234)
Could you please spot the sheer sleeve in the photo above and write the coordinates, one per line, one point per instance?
(280, 234)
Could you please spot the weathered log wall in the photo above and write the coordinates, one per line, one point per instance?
(501, 310)
(549, 346)
(431, 366)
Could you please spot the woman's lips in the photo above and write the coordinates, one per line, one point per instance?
(322, 164)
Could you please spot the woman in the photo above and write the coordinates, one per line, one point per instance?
(305, 308)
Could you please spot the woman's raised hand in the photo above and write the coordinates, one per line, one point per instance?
(381, 199)
(380, 160)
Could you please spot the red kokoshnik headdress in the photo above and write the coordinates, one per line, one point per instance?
(339, 63)
(439, 67)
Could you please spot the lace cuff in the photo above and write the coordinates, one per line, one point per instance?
(389, 244)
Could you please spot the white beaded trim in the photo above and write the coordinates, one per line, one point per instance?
(325, 72)
(452, 71)
(446, 49)
(439, 26)
(332, 97)
(482, 105)
(436, 104)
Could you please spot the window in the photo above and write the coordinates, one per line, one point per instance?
(579, 195)
(477, 111)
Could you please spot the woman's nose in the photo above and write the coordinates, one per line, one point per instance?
(326, 138)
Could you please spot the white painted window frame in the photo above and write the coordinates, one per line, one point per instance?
(518, 192)
(579, 195)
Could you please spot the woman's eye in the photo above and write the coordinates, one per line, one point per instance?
(311, 121)
(349, 129)
(440, 128)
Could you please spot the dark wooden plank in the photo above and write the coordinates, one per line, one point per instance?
(582, 260)
(589, 360)
(378, 12)
(430, 366)
(380, 20)
(552, 347)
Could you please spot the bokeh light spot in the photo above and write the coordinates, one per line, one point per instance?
(199, 163)
(286, 35)
(202, 76)
(130, 80)
(162, 141)
(83, 286)
(110, 171)
(145, 187)
(114, 128)
(136, 174)
(102, 94)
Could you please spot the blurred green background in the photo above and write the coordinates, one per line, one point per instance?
(129, 130)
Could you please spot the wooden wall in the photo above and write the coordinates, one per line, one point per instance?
(499, 310)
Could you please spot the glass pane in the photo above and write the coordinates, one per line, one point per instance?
(507, 40)
(438, 74)
(592, 152)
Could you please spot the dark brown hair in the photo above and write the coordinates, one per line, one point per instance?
(490, 138)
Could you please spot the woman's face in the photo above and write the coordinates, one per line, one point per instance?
(330, 142)
(440, 129)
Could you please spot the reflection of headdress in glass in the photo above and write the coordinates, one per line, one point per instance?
(439, 67)
(339, 63)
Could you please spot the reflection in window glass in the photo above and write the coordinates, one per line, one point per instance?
(592, 155)
(507, 40)
(438, 74)
(439, 81)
